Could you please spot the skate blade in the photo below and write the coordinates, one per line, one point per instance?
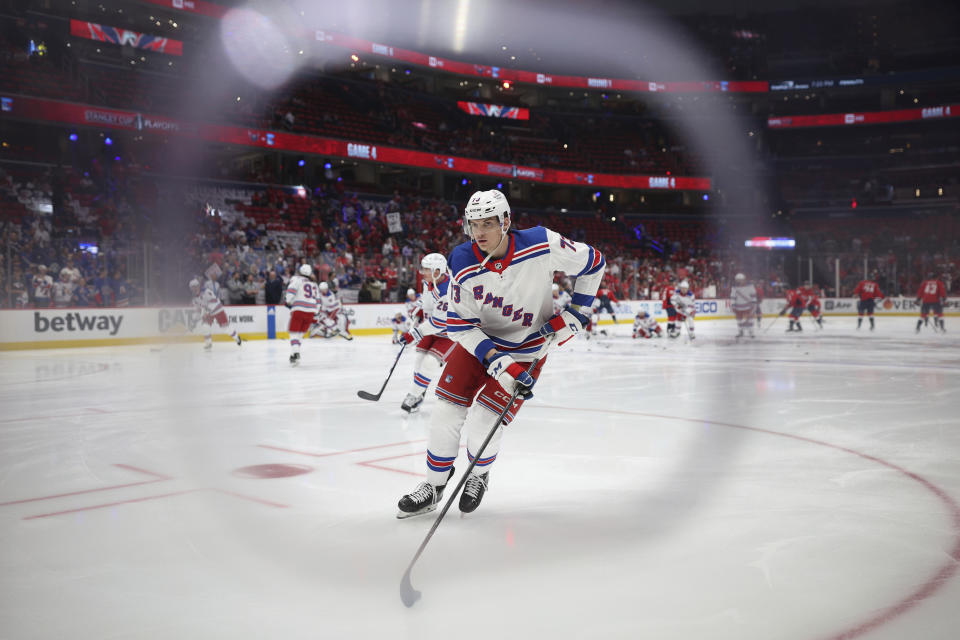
(403, 515)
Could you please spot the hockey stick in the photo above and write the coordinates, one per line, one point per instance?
(772, 323)
(408, 594)
(366, 395)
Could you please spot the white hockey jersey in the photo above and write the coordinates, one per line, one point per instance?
(301, 294)
(561, 301)
(647, 324)
(743, 298)
(208, 302)
(329, 304)
(436, 302)
(413, 306)
(684, 302)
(503, 304)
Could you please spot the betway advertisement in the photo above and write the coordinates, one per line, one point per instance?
(55, 328)
(28, 108)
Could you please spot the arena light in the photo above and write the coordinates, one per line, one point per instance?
(764, 242)
(73, 137)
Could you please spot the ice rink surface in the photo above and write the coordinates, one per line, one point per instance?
(790, 487)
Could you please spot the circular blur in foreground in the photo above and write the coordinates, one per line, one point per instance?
(257, 48)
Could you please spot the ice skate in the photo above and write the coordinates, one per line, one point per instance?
(473, 492)
(294, 359)
(411, 404)
(422, 500)
(207, 346)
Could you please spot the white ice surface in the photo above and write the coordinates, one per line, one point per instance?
(791, 487)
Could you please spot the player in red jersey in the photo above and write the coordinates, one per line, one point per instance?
(868, 292)
(795, 303)
(811, 302)
(931, 297)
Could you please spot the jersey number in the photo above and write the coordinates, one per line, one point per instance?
(308, 291)
(930, 288)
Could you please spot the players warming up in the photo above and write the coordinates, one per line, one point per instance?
(561, 299)
(501, 314)
(400, 325)
(743, 301)
(332, 319)
(678, 303)
(811, 302)
(301, 296)
(646, 326)
(931, 297)
(433, 345)
(868, 292)
(206, 301)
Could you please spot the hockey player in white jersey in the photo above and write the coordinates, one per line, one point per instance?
(433, 345)
(332, 319)
(301, 296)
(646, 326)
(561, 299)
(683, 300)
(500, 316)
(400, 324)
(207, 303)
(414, 307)
(743, 301)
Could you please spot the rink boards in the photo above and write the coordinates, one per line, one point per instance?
(76, 327)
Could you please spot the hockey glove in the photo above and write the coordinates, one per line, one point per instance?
(511, 375)
(564, 325)
(783, 312)
(411, 336)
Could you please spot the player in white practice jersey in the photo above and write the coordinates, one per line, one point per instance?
(501, 314)
(646, 326)
(561, 299)
(743, 301)
(414, 307)
(433, 345)
(207, 303)
(301, 296)
(332, 319)
(682, 300)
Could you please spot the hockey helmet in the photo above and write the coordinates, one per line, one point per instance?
(306, 270)
(434, 261)
(411, 294)
(642, 313)
(555, 287)
(195, 285)
(324, 287)
(485, 204)
(739, 277)
(684, 285)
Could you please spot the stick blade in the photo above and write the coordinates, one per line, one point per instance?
(366, 395)
(408, 594)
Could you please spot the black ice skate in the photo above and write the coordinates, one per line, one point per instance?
(239, 341)
(473, 492)
(424, 499)
(294, 359)
(411, 403)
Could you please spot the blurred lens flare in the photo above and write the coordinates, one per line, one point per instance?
(257, 48)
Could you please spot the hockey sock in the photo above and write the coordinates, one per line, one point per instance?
(444, 439)
(295, 341)
(860, 322)
(871, 322)
(425, 369)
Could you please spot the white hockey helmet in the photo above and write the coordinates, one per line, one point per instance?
(434, 261)
(324, 287)
(555, 287)
(194, 285)
(684, 285)
(411, 294)
(739, 277)
(306, 270)
(485, 204)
